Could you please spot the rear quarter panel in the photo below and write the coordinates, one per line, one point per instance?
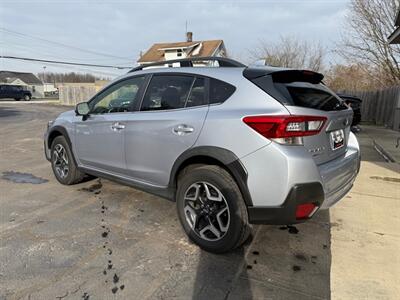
(224, 127)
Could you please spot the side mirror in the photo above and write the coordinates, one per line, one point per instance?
(82, 109)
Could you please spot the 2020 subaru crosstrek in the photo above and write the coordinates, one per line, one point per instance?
(233, 145)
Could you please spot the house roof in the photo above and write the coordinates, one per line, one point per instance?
(394, 38)
(28, 78)
(397, 19)
(156, 52)
(10, 79)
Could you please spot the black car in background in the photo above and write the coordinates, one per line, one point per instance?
(355, 104)
(15, 92)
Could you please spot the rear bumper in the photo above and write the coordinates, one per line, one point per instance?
(286, 213)
(339, 175)
(280, 178)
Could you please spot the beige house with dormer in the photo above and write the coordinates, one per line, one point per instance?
(167, 51)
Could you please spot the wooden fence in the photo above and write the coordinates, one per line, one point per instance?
(381, 107)
(71, 95)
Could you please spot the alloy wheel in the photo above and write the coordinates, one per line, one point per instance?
(60, 161)
(206, 211)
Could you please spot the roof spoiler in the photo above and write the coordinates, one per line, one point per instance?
(284, 75)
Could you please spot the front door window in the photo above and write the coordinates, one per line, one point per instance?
(117, 98)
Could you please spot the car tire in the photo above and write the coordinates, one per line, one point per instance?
(27, 98)
(63, 163)
(208, 223)
(17, 99)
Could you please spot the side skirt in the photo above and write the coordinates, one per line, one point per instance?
(166, 193)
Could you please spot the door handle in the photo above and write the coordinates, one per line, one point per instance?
(183, 129)
(117, 126)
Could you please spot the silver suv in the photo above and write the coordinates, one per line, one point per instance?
(232, 145)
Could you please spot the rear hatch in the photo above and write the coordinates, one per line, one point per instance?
(304, 94)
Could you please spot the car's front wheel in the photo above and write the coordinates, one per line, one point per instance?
(63, 164)
(211, 208)
(27, 97)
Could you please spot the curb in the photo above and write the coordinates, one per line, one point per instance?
(30, 102)
(386, 155)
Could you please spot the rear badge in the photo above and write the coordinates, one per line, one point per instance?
(337, 139)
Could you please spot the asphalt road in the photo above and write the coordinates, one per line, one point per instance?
(101, 240)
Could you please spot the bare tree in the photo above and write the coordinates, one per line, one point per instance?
(68, 77)
(290, 52)
(355, 77)
(370, 22)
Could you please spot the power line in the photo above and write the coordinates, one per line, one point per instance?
(20, 49)
(63, 68)
(61, 44)
(64, 62)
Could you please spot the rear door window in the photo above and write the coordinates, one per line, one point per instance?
(198, 94)
(167, 92)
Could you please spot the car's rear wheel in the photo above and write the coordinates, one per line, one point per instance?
(211, 208)
(63, 164)
(27, 97)
(17, 99)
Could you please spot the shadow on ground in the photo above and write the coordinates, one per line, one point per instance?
(8, 112)
(280, 263)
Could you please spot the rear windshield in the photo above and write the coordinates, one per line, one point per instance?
(304, 94)
(314, 98)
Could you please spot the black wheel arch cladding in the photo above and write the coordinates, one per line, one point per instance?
(60, 131)
(211, 154)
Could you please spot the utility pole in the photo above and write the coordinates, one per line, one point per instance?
(44, 81)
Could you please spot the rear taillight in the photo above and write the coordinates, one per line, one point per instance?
(286, 129)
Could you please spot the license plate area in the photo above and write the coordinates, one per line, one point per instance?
(337, 139)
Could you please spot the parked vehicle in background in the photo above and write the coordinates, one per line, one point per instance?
(355, 104)
(14, 92)
(233, 145)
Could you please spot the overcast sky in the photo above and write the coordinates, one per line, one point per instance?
(114, 32)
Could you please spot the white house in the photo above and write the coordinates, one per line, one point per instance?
(167, 51)
(49, 88)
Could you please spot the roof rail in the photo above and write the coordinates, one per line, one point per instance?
(188, 62)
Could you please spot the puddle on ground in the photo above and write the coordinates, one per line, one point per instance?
(85, 296)
(94, 188)
(290, 228)
(296, 268)
(390, 179)
(106, 231)
(300, 256)
(18, 177)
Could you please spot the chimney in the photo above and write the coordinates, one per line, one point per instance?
(189, 36)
